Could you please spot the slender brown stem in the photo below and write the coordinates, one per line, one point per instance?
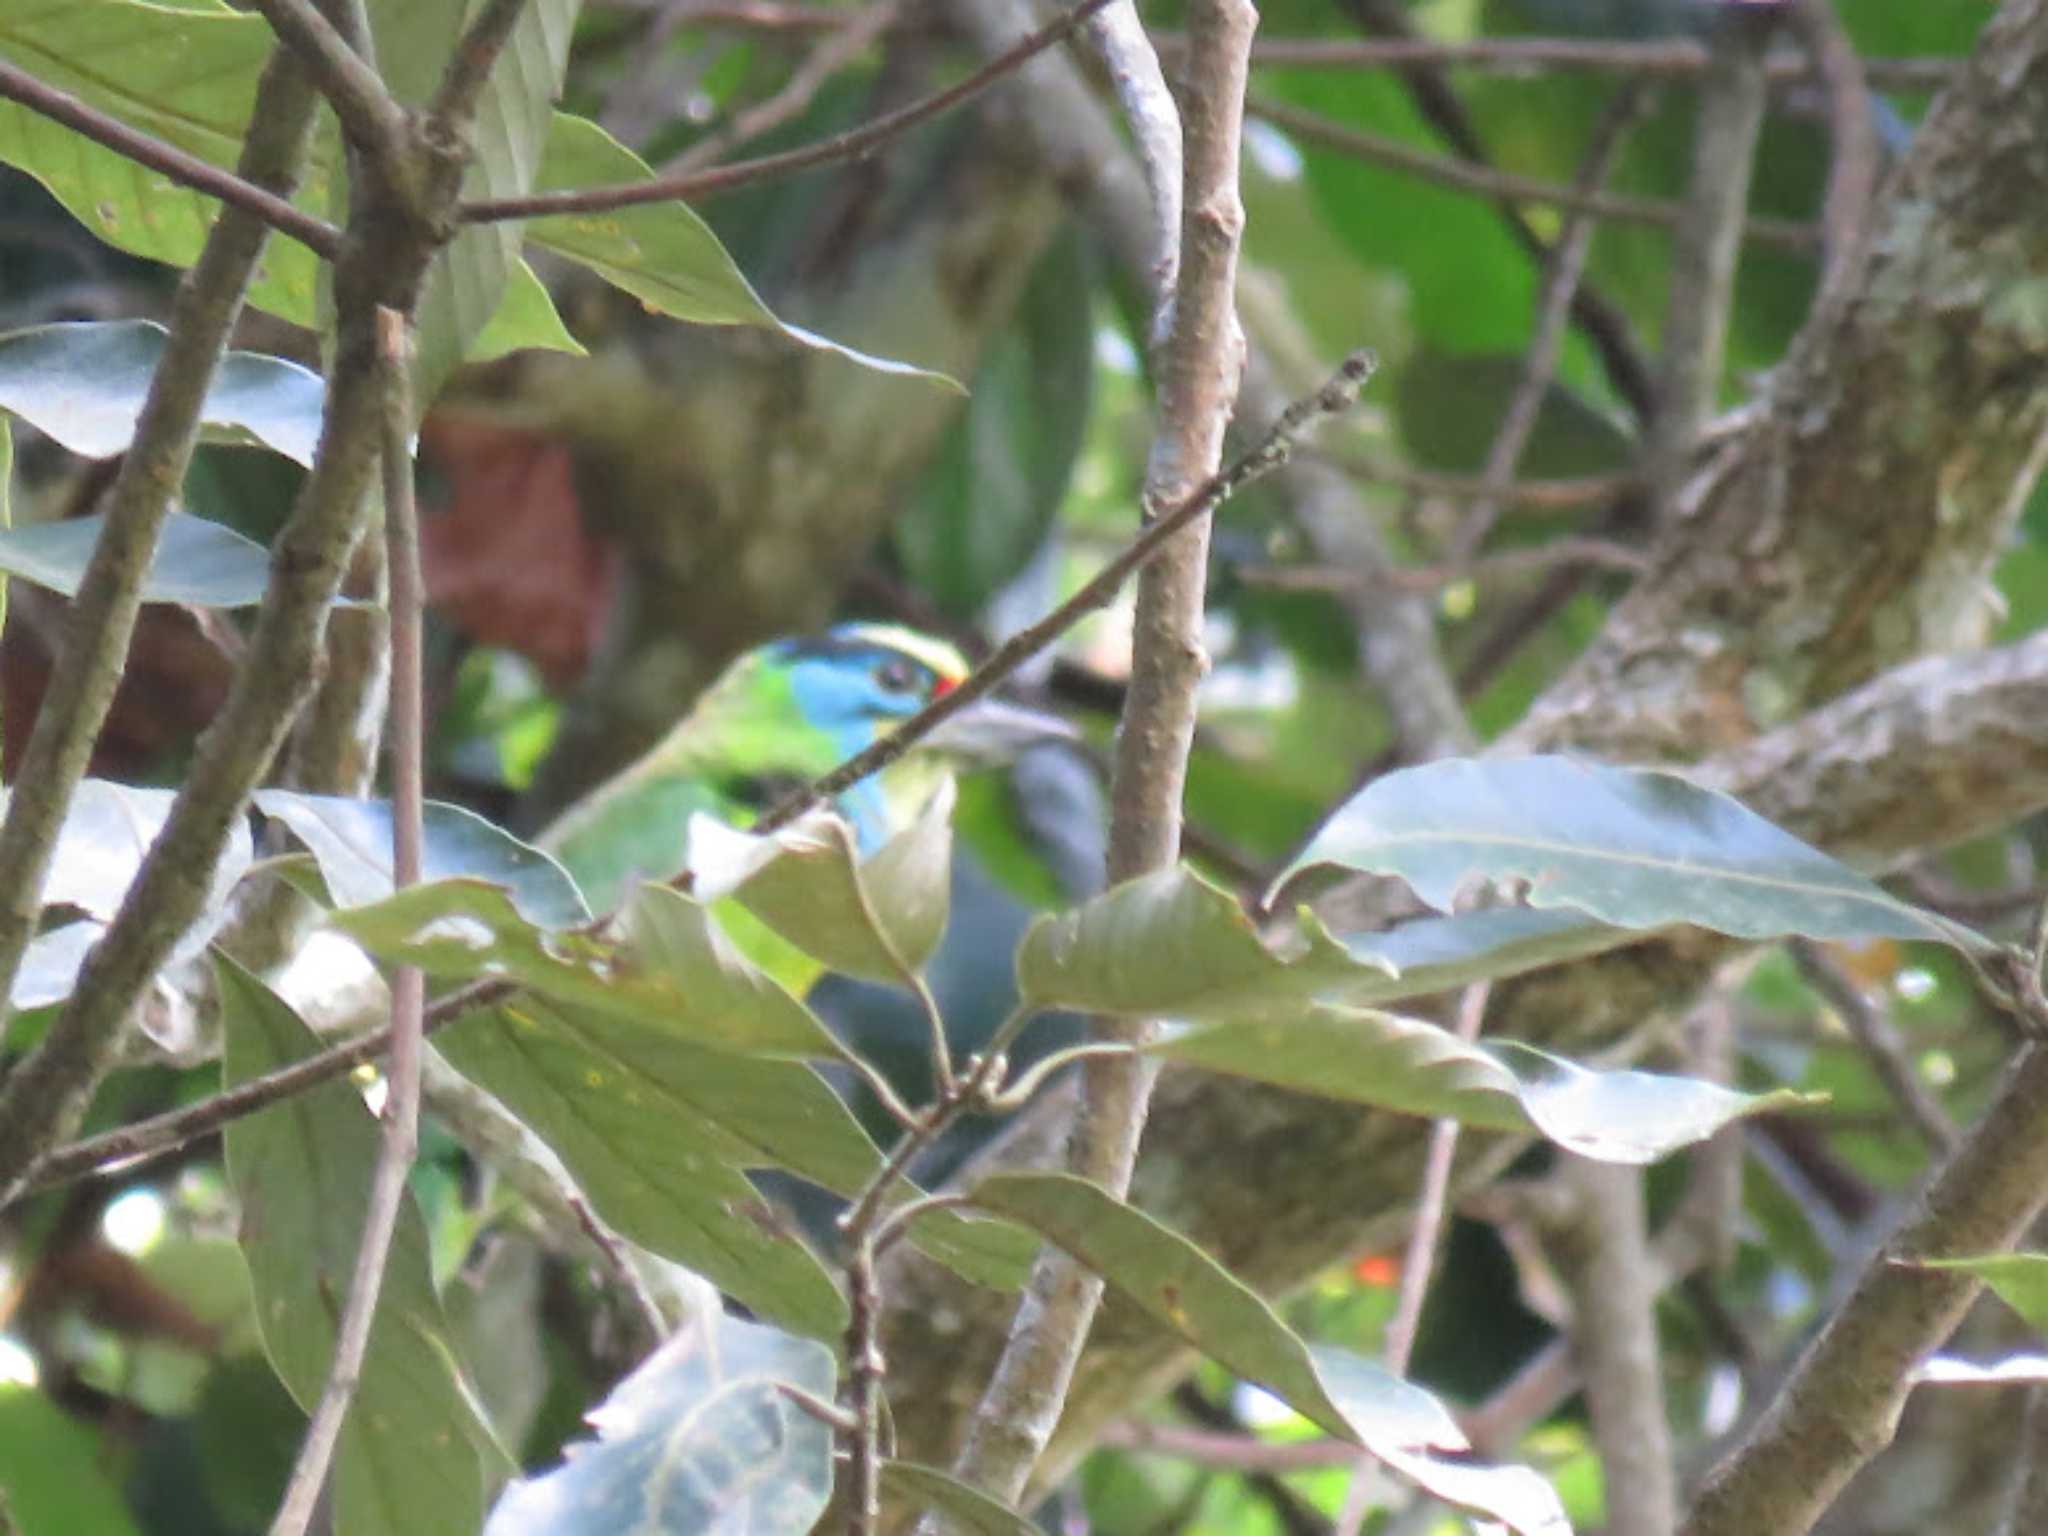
(400, 1140)
(236, 191)
(850, 145)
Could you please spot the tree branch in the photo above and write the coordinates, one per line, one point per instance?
(236, 191)
(102, 617)
(348, 80)
(1843, 1399)
(1198, 361)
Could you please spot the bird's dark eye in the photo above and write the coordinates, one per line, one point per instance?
(896, 675)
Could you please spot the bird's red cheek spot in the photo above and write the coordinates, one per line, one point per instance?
(944, 686)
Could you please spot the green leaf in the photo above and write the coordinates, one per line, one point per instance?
(54, 1469)
(1434, 954)
(195, 561)
(84, 382)
(630, 1114)
(634, 1097)
(880, 920)
(1365, 1056)
(464, 930)
(1186, 1291)
(987, 500)
(351, 839)
(186, 76)
(2020, 1279)
(661, 253)
(414, 1451)
(1172, 944)
(1634, 847)
(700, 1438)
(525, 317)
(965, 1510)
(1448, 406)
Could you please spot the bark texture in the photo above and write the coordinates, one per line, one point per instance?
(1853, 529)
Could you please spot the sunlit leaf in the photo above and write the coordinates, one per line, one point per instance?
(351, 839)
(1950, 1370)
(1635, 847)
(659, 252)
(700, 1439)
(1434, 954)
(54, 1469)
(84, 382)
(106, 833)
(186, 76)
(414, 1451)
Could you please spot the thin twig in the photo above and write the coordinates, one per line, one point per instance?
(348, 80)
(1336, 396)
(1855, 155)
(1418, 1262)
(1668, 60)
(1507, 186)
(1880, 1043)
(43, 1098)
(1141, 89)
(850, 145)
(1704, 252)
(1602, 553)
(1197, 361)
(237, 191)
(1553, 307)
(1550, 495)
(1604, 323)
(400, 1140)
(608, 1244)
(840, 48)
(475, 55)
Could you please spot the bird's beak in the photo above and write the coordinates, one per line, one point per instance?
(991, 731)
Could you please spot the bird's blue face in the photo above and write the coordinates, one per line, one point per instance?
(853, 686)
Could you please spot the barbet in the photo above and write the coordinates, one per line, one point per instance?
(776, 719)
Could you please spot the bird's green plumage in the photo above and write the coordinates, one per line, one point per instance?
(776, 719)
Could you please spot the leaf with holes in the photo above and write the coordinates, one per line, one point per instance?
(701, 1437)
(706, 992)
(1634, 847)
